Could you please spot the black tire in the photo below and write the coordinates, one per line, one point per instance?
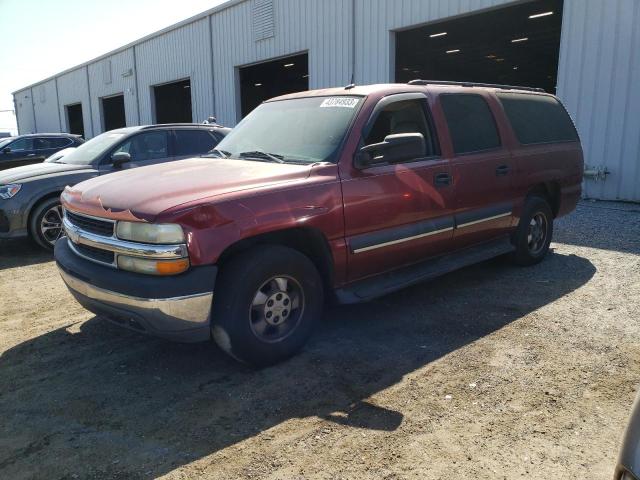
(41, 223)
(531, 241)
(239, 322)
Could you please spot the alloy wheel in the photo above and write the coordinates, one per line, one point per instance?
(51, 225)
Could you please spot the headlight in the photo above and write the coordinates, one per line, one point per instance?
(150, 232)
(8, 191)
(153, 267)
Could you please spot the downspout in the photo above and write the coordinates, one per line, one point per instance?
(86, 69)
(33, 110)
(135, 77)
(213, 83)
(58, 103)
(353, 42)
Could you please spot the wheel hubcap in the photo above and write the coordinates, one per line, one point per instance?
(276, 309)
(51, 224)
(537, 236)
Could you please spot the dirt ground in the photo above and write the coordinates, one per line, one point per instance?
(490, 372)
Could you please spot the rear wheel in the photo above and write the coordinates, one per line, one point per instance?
(45, 225)
(266, 303)
(534, 232)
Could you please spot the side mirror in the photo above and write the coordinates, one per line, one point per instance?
(6, 150)
(119, 158)
(394, 149)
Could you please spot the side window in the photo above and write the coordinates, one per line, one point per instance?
(538, 118)
(22, 145)
(404, 116)
(470, 121)
(146, 146)
(42, 143)
(59, 142)
(194, 142)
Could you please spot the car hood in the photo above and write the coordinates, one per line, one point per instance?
(38, 171)
(143, 193)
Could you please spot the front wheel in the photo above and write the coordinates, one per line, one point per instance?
(45, 225)
(534, 232)
(266, 303)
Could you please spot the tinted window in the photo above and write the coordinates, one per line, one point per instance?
(194, 142)
(471, 123)
(538, 118)
(405, 116)
(22, 144)
(146, 146)
(60, 142)
(44, 143)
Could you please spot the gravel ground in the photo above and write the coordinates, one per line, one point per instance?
(489, 372)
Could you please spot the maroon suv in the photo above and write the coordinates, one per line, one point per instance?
(342, 194)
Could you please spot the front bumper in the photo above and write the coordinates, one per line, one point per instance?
(13, 222)
(176, 308)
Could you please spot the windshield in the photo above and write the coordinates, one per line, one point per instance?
(93, 149)
(5, 141)
(302, 130)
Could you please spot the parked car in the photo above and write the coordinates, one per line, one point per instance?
(34, 148)
(628, 467)
(342, 194)
(29, 195)
(58, 155)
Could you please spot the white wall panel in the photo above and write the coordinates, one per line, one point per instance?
(322, 28)
(598, 80)
(73, 88)
(24, 111)
(177, 55)
(110, 76)
(46, 107)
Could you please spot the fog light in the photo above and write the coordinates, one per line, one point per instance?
(153, 267)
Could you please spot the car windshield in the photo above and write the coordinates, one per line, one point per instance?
(5, 141)
(303, 130)
(91, 150)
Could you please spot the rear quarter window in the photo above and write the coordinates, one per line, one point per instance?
(470, 121)
(537, 118)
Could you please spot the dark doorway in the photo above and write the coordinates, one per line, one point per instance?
(74, 119)
(516, 45)
(113, 112)
(173, 102)
(270, 79)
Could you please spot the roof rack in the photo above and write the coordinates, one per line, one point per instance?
(474, 84)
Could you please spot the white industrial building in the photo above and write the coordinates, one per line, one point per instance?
(226, 60)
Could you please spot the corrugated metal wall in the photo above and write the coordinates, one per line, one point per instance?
(45, 101)
(179, 54)
(24, 111)
(599, 82)
(110, 76)
(321, 28)
(598, 73)
(73, 88)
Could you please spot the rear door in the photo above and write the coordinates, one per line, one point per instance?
(193, 142)
(482, 168)
(17, 153)
(401, 213)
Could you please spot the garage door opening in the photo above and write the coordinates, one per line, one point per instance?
(173, 102)
(74, 119)
(516, 45)
(113, 113)
(269, 79)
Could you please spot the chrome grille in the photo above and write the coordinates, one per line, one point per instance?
(91, 224)
(97, 254)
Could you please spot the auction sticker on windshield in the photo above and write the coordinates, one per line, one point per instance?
(343, 102)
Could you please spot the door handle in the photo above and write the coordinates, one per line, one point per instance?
(502, 170)
(442, 179)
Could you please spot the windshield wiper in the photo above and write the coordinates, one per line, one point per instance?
(218, 153)
(259, 155)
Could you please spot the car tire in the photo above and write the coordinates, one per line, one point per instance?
(45, 224)
(535, 229)
(266, 303)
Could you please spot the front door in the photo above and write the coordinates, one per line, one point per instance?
(400, 213)
(17, 153)
(482, 168)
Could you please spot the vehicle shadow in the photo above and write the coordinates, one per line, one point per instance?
(94, 400)
(21, 253)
